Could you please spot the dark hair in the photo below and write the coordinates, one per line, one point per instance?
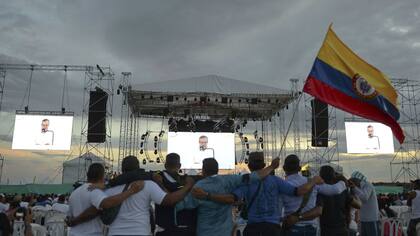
(203, 136)
(61, 198)
(327, 173)
(45, 120)
(291, 164)
(256, 161)
(210, 166)
(95, 172)
(130, 163)
(172, 160)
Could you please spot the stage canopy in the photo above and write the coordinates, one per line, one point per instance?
(212, 96)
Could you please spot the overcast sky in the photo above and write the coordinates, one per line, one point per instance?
(265, 42)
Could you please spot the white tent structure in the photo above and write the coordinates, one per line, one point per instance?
(71, 168)
(211, 95)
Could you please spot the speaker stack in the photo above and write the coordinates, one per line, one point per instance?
(319, 123)
(97, 116)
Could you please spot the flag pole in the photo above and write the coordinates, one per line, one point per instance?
(290, 123)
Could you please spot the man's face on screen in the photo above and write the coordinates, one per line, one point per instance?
(44, 125)
(203, 143)
(370, 131)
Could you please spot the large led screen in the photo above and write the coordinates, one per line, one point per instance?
(368, 137)
(193, 147)
(42, 132)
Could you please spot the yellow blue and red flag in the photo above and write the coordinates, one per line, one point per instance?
(342, 79)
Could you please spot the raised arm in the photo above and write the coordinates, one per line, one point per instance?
(303, 189)
(356, 203)
(116, 200)
(363, 193)
(87, 215)
(332, 189)
(269, 169)
(199, 193)
(129, 177)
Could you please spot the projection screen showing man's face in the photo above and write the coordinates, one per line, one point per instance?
(42, 132)
(368, 137)
(193, 148)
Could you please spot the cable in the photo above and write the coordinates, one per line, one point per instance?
(30, 86)
(64, 88)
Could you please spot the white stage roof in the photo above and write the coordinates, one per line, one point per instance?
(208, 84)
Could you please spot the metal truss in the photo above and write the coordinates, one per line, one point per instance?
(404, 166)
(317, 156)
(103, 78)
(95, 77)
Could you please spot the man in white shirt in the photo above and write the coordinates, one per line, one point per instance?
(372, 141)
(84, 197)
(203, 152)
(3, 205)
(134, 215)
(60, 205)
(46, 137)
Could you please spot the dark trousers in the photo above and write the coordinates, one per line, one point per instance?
(334, 231)
(177, 232)
(301, 230)
(411, 230)
(263, 229)
(370, 228)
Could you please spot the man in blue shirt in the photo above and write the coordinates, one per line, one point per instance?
(213, 218)
(301, 211)
(262, 198)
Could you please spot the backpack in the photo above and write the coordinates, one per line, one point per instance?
(110, 214)
(247, 206)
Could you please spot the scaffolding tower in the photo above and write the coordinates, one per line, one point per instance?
(123, 149)
(296, 122)
(405, 163)
(100, 78)
(316, 156)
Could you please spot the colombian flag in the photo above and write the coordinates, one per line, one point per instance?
(344, 80)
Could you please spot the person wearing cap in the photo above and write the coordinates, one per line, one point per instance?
(303, 213)
(214, 215)
(414, 202)
(262, 198)
(171, 180)
(4, 207)
(369, 212)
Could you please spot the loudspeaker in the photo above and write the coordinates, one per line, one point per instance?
(319, 123)
(97, 116)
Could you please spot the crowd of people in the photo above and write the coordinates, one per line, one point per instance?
(169, 203)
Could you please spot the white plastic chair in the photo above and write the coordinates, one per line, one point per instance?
(38, 215)
(56, 228)
(392, 227)
(54, 216)
(38, 230)
(18, 228)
